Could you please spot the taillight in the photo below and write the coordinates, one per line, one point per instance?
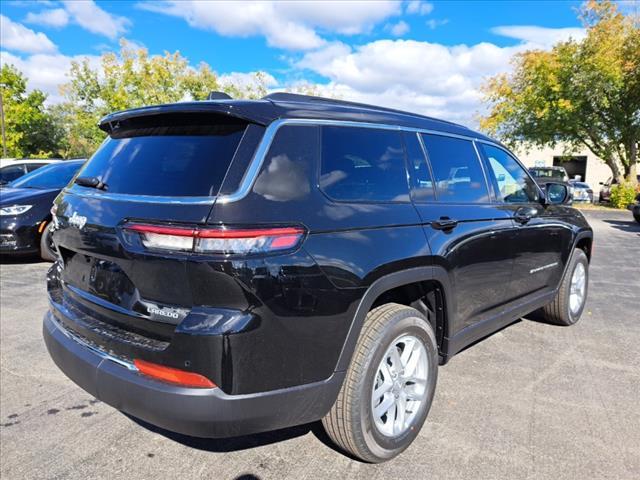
(173, 375)
(218, 240)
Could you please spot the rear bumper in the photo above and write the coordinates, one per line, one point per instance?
(190, 411)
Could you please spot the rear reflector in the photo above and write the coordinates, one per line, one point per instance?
(218, 240)
(173, 375)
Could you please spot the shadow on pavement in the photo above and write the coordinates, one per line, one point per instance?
(223, 445)
(19, 259)
(630, 226)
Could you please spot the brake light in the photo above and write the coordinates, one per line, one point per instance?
(173, 375)
(218, 240)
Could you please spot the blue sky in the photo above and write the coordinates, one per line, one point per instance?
(423, 56)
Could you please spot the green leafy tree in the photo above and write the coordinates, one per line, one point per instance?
(29, 129)
(132, 78)
(580, 93)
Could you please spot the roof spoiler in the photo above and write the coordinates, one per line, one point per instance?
(111, 122)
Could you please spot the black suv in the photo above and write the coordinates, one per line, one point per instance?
(228, 267)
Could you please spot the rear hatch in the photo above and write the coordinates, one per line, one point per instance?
(153, 170)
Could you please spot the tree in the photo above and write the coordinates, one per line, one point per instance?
(29, 129)
(132, 79)
(580, 93)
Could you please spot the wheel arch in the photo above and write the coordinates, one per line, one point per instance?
(389, 288)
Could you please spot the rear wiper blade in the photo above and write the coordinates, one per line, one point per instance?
(92, 182)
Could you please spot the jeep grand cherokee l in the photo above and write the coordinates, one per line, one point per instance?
(228, 267)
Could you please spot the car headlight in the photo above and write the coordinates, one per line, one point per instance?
(13, 210)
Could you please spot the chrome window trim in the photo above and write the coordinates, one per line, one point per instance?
(261, 153)
(258, 159)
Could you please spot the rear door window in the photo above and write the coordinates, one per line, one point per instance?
(186, 155)
(457, 172)
(363, 164)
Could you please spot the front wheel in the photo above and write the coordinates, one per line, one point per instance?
(389, 386)
(568, 304)
(47, 249)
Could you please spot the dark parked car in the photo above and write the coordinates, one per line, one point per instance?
(229, 267)
(25, 209)
(11, 169)
(582, 192)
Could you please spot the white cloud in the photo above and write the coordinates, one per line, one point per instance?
(422, 77)
(539, 35)
(419, 8)
(435, 23)
(399, 29)
(287, 25)
(15, 36)
(94, 19)
(45, 72)
(56, 17)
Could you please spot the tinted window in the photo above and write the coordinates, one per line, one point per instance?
(456, 169)
(170, 157)
(287, 169)
(34, 166)
(422, 187)
(363, 164)
(513, 185)
(56, 175)
(11, 172)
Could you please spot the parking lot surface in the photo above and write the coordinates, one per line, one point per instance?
(533, 401)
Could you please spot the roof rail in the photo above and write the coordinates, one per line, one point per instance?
(219, 96)
(294, 97)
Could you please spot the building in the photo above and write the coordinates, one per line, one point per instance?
(585, 164)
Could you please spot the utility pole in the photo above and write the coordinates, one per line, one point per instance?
(4, 137)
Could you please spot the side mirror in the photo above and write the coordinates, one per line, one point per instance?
(556, 193)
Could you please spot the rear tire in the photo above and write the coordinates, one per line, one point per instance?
(568, 304)
(394, 368)
(47, 251)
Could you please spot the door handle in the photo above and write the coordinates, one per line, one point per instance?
(444, 223)
(523, 215)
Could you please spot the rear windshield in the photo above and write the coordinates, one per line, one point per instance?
(168, 155)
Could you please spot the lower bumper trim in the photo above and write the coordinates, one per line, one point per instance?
(191, 411)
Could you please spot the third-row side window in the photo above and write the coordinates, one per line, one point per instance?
(363, 164)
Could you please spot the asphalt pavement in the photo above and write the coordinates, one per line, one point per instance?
(533, 401)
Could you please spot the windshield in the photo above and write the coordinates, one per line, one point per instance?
(547, 173)
(170, 155)
(56, 175)
(10, 173)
